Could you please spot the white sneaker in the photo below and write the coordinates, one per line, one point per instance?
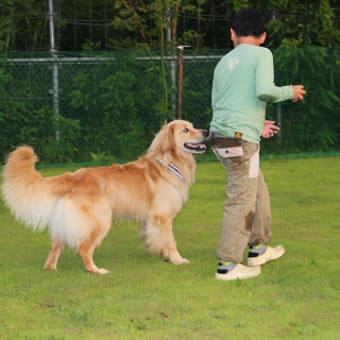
(270, 254)
(239, 272)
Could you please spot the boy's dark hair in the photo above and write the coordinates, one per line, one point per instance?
(248, 22)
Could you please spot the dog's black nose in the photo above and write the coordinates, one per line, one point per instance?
(206, 134)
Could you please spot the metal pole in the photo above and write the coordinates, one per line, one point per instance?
(279, 120)
(172, 61)
(55, 76)
(51, 21)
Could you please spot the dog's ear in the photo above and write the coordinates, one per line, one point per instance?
(163, 143)
(172, 136)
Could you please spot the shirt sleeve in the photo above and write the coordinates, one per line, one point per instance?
(266, 89)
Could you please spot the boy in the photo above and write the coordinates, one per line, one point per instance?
(243, 83)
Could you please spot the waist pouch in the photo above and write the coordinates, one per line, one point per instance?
(224, 142)
(226, 147)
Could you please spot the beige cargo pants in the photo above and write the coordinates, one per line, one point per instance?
(247, 213)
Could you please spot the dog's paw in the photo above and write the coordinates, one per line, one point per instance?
(183, 261)
(50, 267)
(101, 271)
(178, 259)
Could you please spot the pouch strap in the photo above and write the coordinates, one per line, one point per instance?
(224, 142)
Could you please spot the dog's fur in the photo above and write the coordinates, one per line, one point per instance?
(78, 207)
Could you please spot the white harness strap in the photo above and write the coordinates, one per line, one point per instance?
(171, 167)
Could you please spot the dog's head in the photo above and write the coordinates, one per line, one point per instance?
(186, 137)
(179, 136)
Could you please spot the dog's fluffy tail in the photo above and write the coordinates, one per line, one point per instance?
(25, 191)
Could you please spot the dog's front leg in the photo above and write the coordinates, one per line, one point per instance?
(159, 239)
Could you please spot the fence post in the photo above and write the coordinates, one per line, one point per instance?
(55, 75)
(180, 49)
(279, 120)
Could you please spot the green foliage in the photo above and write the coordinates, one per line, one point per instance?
(156, 24)
(39, 129)
(115, 107)
(312, 124)
(64, 145)
(118, 106)
(26, 118)
(102, 157)
(22, 24)
(297, 23)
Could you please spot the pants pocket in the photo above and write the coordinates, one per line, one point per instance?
(254, 165)
(228, 152)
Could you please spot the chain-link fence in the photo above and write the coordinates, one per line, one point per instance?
(73, 107)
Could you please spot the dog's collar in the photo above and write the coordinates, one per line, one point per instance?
(171, 167)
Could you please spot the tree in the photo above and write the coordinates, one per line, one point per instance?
(23, 25)
(302, 23)
(158, 24)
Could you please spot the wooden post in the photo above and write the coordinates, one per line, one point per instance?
(180, 80)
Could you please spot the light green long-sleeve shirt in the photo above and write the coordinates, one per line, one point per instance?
(243, 83)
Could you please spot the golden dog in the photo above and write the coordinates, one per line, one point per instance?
(78, 207)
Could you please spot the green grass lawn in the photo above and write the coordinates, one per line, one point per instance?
(143, 297)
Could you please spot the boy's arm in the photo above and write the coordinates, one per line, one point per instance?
(265, 87)
(299, 93)
(269, 129)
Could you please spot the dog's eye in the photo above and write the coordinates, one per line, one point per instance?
(186, 130)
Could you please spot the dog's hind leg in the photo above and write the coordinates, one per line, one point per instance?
(52, 259)
(159, 239)
(87, 248)
(86, 251)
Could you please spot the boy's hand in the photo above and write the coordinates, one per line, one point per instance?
(299, 93)
(269, 129)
